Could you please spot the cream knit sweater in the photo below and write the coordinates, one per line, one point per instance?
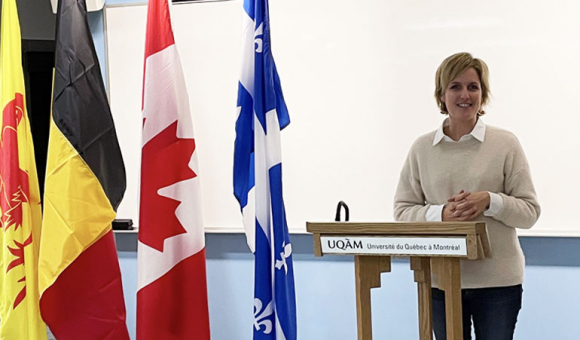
(433, 173)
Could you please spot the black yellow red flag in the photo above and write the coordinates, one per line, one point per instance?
(79, 276)
(19, 194)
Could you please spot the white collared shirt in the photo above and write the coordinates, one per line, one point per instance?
(435, 212)
(478, 133)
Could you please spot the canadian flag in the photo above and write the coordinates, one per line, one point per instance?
(172, 288)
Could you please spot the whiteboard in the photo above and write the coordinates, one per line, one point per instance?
(358, 78)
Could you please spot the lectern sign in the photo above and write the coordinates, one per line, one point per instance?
(379, 245)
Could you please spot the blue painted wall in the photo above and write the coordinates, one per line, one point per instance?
(325, 286)
(325, 291)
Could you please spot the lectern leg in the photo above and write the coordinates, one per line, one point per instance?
(422, 268)
(449, 273)
(368, 271)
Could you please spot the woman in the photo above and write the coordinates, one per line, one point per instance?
(467, 171)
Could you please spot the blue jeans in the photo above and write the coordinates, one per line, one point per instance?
(494, 312)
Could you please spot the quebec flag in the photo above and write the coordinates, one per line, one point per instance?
(262, 113)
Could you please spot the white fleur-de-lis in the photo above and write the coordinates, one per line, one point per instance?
(261, 314)
(258, 38)
(283, 256)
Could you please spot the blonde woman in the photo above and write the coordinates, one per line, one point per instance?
(466, 171)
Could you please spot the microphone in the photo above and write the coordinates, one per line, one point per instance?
(340, 205)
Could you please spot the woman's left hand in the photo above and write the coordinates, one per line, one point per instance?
(470, 205)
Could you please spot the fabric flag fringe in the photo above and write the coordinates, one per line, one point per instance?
(172, 288)
(262, 114)
(79, 275)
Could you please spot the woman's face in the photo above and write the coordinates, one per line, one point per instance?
(463, 96)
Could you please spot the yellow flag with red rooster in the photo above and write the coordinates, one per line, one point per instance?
(19, 194)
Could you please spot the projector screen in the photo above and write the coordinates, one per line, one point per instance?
(358, 78)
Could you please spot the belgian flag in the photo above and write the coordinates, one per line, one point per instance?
(79, 276)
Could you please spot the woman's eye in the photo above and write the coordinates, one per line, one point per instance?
(474, 87)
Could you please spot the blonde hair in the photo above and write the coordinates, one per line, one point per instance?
(455, 65)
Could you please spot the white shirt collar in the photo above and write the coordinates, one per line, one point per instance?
(478, 133)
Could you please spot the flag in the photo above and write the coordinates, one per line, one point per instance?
(172, 288)
(262, 113)
(19, 194)
(81, 296)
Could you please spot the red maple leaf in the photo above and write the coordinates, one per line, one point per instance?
(13, 180)
(165, 160)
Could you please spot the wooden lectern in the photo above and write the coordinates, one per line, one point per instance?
(432, 246)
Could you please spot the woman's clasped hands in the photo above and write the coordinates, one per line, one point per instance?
(465, 206)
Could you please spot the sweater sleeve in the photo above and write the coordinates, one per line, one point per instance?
(409, 203)
(520, 205)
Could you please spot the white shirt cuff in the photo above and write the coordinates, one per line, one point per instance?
(495, 205)
(434, 214)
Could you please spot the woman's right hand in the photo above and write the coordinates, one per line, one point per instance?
(457, 209)
(450, 213)
(465, 206)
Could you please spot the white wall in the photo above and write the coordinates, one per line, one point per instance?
(358, 80)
